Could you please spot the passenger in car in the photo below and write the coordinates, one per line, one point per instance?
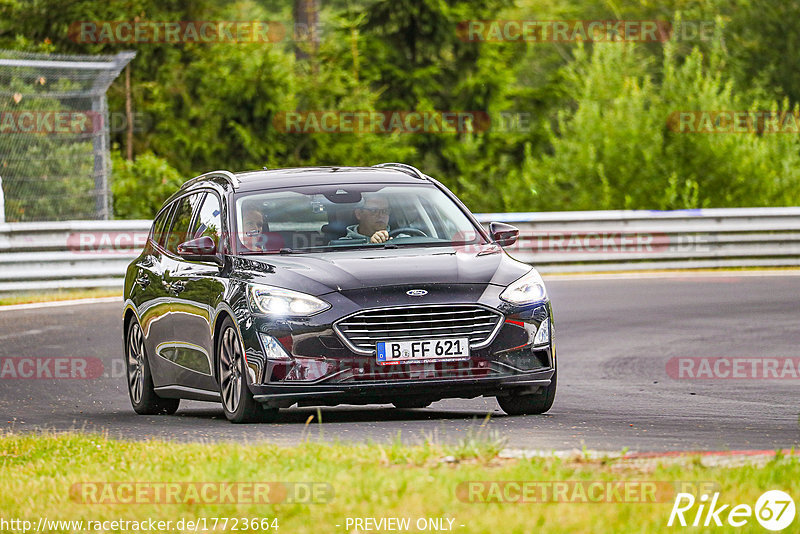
(255, 234)
(253, 229)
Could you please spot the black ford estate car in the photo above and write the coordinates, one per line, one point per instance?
(334, 285)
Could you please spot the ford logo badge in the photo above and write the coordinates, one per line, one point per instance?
(416, 292)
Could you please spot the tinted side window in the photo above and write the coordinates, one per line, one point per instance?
(160, 224)
(209, 220)
(181, 220)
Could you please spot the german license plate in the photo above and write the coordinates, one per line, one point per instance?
(423, 350)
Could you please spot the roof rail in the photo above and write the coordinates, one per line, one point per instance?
(228, 175)
(408, 169)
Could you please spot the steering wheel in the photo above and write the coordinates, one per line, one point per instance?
(407, 230)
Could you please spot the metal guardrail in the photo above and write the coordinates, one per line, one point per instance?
(644, 240)
(79, 254)
(71, 254)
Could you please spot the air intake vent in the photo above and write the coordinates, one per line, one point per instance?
(363, 330)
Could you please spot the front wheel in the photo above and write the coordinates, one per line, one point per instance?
(237, 400)
(530, 404)
(140, 382)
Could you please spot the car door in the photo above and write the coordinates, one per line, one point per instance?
(195, 287)
(148, 293)
(169, 366)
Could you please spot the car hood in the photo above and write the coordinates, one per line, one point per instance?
(322, 273)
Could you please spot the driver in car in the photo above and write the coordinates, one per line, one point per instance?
(373, 221)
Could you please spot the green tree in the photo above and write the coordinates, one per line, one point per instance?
(617, 151)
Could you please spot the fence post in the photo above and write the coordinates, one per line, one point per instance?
(2, 203)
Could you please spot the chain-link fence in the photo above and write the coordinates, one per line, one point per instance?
(54, 135)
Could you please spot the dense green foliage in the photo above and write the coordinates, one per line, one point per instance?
(140, 186)
(573, 126)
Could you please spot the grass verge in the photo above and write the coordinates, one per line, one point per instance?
(58, 294)
(38, 474)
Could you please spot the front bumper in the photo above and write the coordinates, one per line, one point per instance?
(322, 370)
(284, 396)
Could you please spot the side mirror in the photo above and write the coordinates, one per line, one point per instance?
(503, 234)
(200, 249)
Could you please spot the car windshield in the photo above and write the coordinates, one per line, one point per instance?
(344, 217)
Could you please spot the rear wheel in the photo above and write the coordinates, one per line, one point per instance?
(140, 382)
(237, 400)
(530, 404)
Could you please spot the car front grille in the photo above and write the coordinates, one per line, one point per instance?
(363, 330)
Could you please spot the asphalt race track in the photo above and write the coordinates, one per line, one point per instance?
(615, 339)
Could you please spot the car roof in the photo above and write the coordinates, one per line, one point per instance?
(265, 179)
(279, 178)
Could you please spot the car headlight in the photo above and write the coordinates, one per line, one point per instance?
(525, 290)
(284, 302)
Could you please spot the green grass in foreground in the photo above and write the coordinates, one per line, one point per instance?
(371, 480)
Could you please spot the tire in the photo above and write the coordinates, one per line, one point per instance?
(237, 400)
(140, 382)
(410, 404)
(532, 404)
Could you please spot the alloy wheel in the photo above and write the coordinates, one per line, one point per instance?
(136, 363)
(230, 370)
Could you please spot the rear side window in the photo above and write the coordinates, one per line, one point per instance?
(160, 224)
(181, 221)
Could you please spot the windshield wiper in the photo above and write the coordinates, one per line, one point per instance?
(426, 244)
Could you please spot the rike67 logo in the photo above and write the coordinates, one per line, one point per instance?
(774, 510)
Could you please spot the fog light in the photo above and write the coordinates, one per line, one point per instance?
(273, 349)
(543, 335)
